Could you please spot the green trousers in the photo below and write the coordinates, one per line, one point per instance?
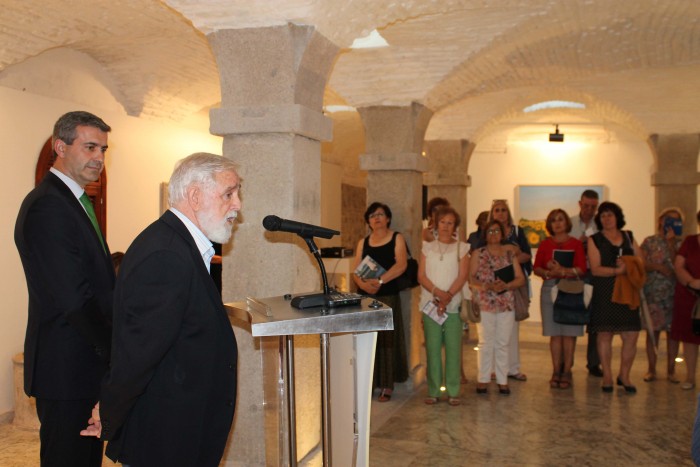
(449, 334)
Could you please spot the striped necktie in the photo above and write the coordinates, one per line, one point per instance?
(85, 200)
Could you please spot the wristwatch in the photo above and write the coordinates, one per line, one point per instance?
(381, 282)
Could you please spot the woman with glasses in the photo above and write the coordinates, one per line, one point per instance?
(496, 302)
(515, 236)
(442, 272)
(562, 337)
(387, 248)
(606, 252)
(659, 251)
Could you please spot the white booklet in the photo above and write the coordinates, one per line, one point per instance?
(431, 309)
(369, 269)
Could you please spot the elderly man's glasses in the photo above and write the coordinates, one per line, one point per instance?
(376, 214)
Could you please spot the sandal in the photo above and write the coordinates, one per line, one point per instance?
(673, 379)
(554, 382)
(430, 400)
(385, 395)
(649, 377)
(503, 390)
(454, 401)
(565, 380)
(518, 377)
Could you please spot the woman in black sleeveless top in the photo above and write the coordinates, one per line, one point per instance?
(388, 249)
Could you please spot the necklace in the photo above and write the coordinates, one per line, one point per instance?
(442, 253)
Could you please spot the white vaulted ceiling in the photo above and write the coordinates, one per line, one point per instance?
(476, 64)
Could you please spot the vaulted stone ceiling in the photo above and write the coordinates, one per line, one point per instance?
(476, 64)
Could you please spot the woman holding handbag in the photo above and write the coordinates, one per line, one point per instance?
(562, 337)
(687, 267)
(442, 271)
(496, 302)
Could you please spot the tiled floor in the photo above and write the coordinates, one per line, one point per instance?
(535, 425)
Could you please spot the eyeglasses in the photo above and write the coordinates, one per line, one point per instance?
(500, 210)
(499, 201)
(376, 214)
(493, 231)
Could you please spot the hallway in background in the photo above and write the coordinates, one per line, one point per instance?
(535, 425)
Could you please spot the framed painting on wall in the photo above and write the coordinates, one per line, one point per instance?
(534, 202)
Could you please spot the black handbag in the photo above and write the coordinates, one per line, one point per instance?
(695, 312)
(569, 308)
(409, 278)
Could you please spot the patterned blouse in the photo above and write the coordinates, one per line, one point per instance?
(659, 289)
(491, 301)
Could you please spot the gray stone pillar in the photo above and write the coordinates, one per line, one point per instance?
(676, 176)
(395, 166)
(272, 84)
(447, 175)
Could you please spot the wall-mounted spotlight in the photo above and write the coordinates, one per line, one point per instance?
(556, 137)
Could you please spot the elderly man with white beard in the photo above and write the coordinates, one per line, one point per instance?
(170, 394)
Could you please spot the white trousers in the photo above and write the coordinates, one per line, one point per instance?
(514, 349)
(495, 331)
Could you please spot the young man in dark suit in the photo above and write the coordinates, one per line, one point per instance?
(170, 395)
(70, 281)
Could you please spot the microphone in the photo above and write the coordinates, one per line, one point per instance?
(274, 223)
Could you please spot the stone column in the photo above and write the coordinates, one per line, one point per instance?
(395, 166)
(676, 176)
(272, 85)
(447, 175)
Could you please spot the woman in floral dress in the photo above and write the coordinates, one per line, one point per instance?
(659, 251)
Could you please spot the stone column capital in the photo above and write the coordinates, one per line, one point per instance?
(675, 177)
(447, 179)
(281, 118)
(401, 161)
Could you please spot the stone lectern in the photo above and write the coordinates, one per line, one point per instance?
(347, 362)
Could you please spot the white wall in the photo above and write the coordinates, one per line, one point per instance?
(141, 155)
(624, 167)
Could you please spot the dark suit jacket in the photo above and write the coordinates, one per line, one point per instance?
(170, 394)
(70, 280)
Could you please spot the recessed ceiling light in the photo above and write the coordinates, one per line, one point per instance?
(372, 40)
(338, 108)
(554, 105)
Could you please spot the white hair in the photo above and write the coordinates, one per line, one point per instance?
(199, 168)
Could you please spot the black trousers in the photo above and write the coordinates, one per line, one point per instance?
(61, 443)
(593, 360)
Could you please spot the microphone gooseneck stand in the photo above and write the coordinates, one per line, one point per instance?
(317, 254)
(325, 362)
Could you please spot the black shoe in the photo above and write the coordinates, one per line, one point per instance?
(607, 388)
(629, 389)
(595, 371)
(503, 390)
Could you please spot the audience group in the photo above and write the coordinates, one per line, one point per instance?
(652, 287)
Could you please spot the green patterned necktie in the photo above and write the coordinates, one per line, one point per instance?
(85, 200)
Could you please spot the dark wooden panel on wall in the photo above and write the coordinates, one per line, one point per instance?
(352, 223)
